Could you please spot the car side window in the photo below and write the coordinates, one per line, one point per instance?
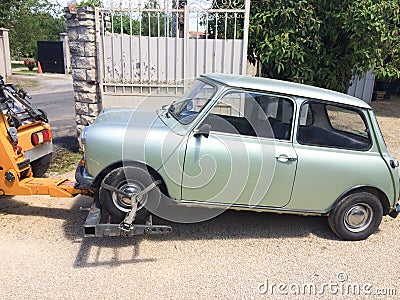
(331, 125)
(346, 121)
(252, 114)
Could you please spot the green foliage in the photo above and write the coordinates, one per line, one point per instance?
(148, 23)
(215, 23)
(90, 3)
(152, 22)
(30, 21)
(323, 42)
(222, 25)
(125, 24)
(284, 37)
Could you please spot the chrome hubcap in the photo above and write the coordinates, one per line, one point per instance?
(123, 203)
(358, 217)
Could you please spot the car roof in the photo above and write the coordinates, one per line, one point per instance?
(286, 87)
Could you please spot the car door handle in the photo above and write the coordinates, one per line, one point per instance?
(284, 158)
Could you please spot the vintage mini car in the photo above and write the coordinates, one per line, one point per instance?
(245, 143)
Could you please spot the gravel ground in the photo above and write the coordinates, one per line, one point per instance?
(238, 255)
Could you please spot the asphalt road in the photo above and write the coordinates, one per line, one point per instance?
(60, 108)
(55, 95)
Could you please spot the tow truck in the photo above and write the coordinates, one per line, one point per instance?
(16, 177)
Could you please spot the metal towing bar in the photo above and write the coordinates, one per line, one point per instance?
(93, 227)
(127, 228)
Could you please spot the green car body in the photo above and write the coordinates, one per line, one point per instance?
(249, 143)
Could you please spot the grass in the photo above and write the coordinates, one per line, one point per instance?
(65, 162)
(25, 83)
(20, 65)
(66, 155)
(25, 72)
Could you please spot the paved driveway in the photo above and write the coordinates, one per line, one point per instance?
(238, 255)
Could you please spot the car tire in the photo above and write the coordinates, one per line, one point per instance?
(130, 179)
(41, 165)
(356, 216)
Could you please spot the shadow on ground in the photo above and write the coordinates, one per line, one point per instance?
(69, 143)
(229, 225)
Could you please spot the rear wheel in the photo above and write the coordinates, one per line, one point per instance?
(356, 216)
(14, 121)
(43, 115)
(130, 180)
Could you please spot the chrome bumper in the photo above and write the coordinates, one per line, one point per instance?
(396, 211)
(82, 177)
(39, 151)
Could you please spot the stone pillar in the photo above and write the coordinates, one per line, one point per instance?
(6, 49)
(67, 57)
(81, 33)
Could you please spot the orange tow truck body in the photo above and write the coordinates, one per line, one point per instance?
(16, 177)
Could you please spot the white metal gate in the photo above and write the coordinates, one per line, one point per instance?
(158, 47)
(362, 88)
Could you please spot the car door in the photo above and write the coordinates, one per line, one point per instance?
(246, 158)
(336, 154)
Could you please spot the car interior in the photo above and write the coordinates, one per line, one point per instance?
(317, 127)
(252, 114)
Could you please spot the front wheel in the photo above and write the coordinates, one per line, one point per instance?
(356, 216)
(130, 180)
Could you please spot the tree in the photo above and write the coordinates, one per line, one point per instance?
(153, 23)
(30, 21)
(147, 23)
(91, 3)
(123, 23)
(324, 42)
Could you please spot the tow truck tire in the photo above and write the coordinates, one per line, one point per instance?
(14, 121)
(130, 179)
(41, 165)
(43, 115)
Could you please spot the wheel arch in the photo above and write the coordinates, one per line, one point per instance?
(369, 189)
(113, 166)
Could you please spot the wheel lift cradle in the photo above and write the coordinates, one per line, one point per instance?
(16, 178)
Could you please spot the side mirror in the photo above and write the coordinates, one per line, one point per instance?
(203, 130)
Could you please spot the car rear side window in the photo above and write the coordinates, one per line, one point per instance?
(347, 121)
(330, 125)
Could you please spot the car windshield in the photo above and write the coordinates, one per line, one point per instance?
(192, 102)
